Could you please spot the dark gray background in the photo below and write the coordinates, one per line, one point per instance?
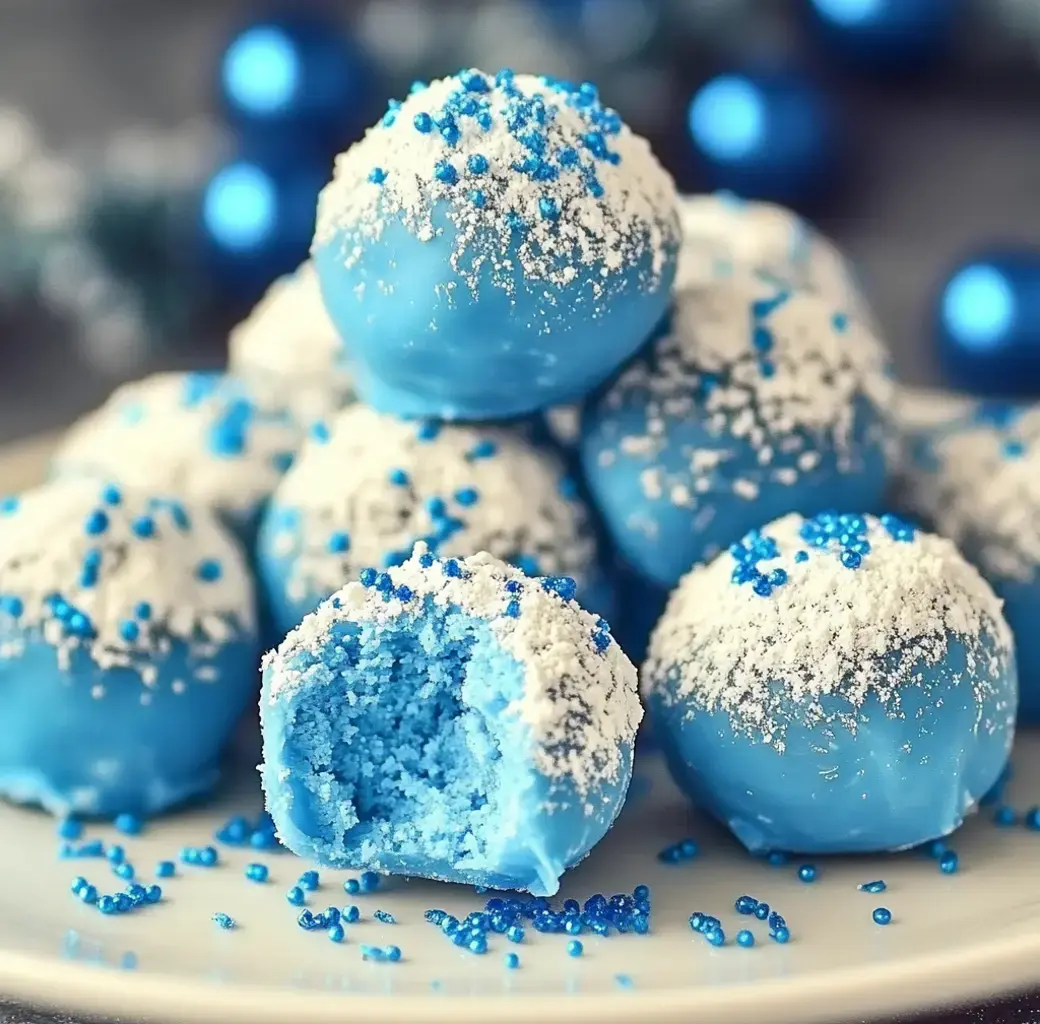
(939, 169)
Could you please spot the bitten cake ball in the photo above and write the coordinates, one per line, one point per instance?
(837, 684)
(978, 481)
(757, 401)
(289, 352)
(495, 245)
(722, 233)
(128, 648)
(366, 488)
(451, 719)
(201, 436)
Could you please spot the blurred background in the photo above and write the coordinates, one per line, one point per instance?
(159, 161)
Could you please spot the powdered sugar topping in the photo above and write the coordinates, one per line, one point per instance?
(579, 700)
(783, 371)
(368, 486)
(204, 437)
(289, 350)
(809, 608)
(522, 169)
(121, 576)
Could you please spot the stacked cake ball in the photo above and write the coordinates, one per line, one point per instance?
(524, 415)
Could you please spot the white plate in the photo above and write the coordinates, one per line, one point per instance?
(952, 939)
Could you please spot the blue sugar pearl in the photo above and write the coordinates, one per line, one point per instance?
(153, 893)
(69, 828)
(143, 527)
(477, 164)
(745, 938)
(949, 862)
(338, 542)
(477, 945)
(807, 873)
(295, 896)
(129, 630)
(123, 903)
(256, 872)
(512, 961)
(575, 948)
(384, 917)
(467, 496)
(1032, 819)
(761, 911)
(745, 904)
(111, 495)
(1004, 816)
(483, 450)
(641, 892)
(801, 556)
(882, 916)
(351, 914)
(392, 953)
(371, 952)
(142, 611)
(716, 936)
(850, 559)
(107, 904)
(115, 854)
(377, 175)
(137, 893)
(319, 431)
(209, 570)
(224, 921)
(398, 477)
(88, 894)
(309, 881)
(515, 933)
(777, 858)
(124, 871)
(306, 920)
(874, 887)
(336, 933)
(423, 123)
(548, 208)
(781, 935)
(96, 522)
(369, 880)
(78, 883)
(208, 856)
(367, 577)
(444, 172)
(351, 886)
(428, 430)
(165, 869)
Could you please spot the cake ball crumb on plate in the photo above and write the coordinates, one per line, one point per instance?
(977, 477)
(722, 232)
(494, 245)
(204, 437)
(367, 486)
(757, 400)
(449, 719)
(836, 684)
(289, 351)
(128, 648)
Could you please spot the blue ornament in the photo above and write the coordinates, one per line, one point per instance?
(257, 220)
(766, 136)
(887, 35)
(296, 71)
(987, 323)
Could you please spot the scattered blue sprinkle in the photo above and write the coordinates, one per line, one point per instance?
(882, 916)
(224, 921)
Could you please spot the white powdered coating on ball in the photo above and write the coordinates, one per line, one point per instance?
(633, 219)
(46, 545)
(580, 698)
(289, 350)
(203, 437)
(983, 489)
(826, 630)
(722, 232)
(782, 371)
(349, 483)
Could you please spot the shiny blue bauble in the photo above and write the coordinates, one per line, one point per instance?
(766, 136)
(886, 35)
(294, 71)
(256, 220)
(987, 323)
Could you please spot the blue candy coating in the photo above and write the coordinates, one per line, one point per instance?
(755, 401)
(526, 291)
(443, 780)
(804, 761)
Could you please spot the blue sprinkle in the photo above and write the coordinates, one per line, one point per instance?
(745, 938)
(384, 917)
(1005, 816)
(111, 494)
(351, 914)
(483, 450)
(873, 887)
(115, 854)
(840, 322)
(575, 948)
(882, 915)
(807, 873)
(369, 881)
(398, 477)
(1031, 819)
(338, 542)
(209, 570)
(165, 869)
(781, 935)
(377, 175)
(96, 523)
(428, 430)
(309, 881)
(225, 921)
(850, 559)
(143, 527)
(445, 172)
(70, 828)
(548, 208)
(949, 862)
(477, 163)
(129, 630)
(478, 198)
(352, 886)
(392, 953)
(124, 871)
(423, 123)
(777, 858)
(512, 961)
(143, 611)
(371, 952)
(515, 933)
(107, 904)
(295, 896)
(256, 872)
(467, 496)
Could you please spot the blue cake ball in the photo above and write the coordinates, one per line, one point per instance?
(756, 401)
(495, 245)
(449, 719)
(840, 684)
(722, 232)
(977, 478)
(204, 437)
(289, 351)
(366, 487)
(128, 648)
